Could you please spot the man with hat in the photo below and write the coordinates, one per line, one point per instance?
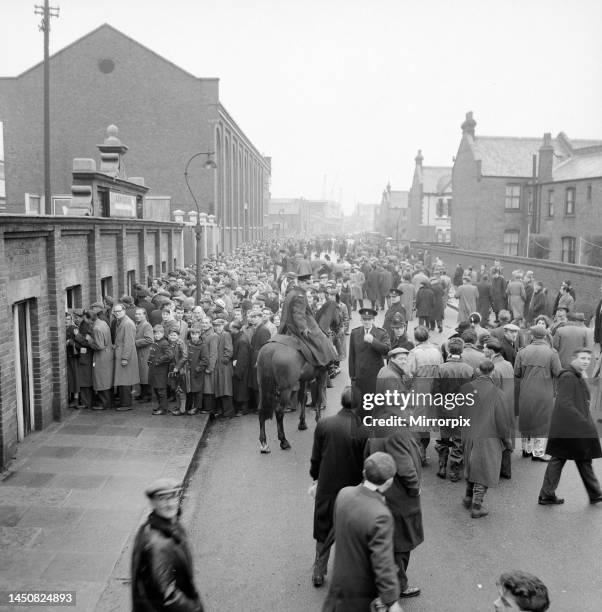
(102, 366)
(364, 567)
(509, 342)
(396, 308)
(297, 320)
(161, 570)
(534, 369)
(368, 346)
(399, 337)
(467, 295)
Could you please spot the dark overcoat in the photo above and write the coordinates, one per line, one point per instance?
(403, 497)
(296, 318)
(364, 567)
(198, 359)
(337, 461)
(438, 304)
(159, 361)
(162, 572)
(384, 282)
(210, 339)
(86, 355)
(223, 366)
(499, 300)
(371, 285)
(425, 302)
(486, 436)
(365, 359)
(241, 366)
(484, 300)
(573, 434)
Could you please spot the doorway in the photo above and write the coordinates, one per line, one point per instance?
(22, 312)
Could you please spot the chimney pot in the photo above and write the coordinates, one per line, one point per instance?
(469, 125)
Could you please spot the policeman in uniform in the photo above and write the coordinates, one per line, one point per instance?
(396, 308)
(399, 338)
(297, 320)
(368, 346)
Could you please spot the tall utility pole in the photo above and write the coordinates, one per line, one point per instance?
(46, 12)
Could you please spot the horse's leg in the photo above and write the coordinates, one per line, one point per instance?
(263, 445)
(301, 399)
(285, 399)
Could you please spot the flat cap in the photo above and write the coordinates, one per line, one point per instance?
(397, 351)
(97, 305)
(219, 322)
(537, 331)
(163, 485)
(78, 312)
(304, 277)
(512, 327)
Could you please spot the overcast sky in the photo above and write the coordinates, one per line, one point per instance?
(343, 93)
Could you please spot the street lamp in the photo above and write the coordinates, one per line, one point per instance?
(198, 230)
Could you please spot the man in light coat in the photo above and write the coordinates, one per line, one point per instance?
(571, 337)
(102, 368)
(535, 367)
(467, 295)
(144, 341)
(126, 357)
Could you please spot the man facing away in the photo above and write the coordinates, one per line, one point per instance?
(364, 568)
(336, 462)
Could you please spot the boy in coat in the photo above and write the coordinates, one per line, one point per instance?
(198, 358)
(160, 357)
(177, 371)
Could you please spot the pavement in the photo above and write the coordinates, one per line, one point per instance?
(71, 501)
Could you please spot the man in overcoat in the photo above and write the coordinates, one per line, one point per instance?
(368, 346)
(210, 338)
(425, 305)
(102, 370)
(126, 357)
(485, 437)
(223, 371)
(85, 374)
(241, 365)
(573, 434)
(144, 341)
(297, 320)
(337, 460)
(467, 295)
(364, 566)
(535, 367)
(498, 292)
(409, 294)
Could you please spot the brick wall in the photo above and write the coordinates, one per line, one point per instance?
(586, 280)
(39, 259)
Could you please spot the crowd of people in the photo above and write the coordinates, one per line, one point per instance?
(526, 367)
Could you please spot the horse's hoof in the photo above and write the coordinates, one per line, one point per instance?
(284, 445)
(265, 449)
(302, 426)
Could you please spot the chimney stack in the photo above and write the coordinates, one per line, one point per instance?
(418, 159)
(546, 159)
(469, 125)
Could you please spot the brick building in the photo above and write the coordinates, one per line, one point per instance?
(493, 186)
(284, 215)
(46, 266)
(430, 201)
(392, 219)
(164, 113)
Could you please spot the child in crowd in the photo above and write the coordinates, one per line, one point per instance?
(159, 361)
(177, 372)
(198, 359)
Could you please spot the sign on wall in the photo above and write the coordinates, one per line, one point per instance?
(122, 205)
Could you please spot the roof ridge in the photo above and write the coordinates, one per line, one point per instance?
(114, 29)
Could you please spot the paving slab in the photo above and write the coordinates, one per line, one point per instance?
(72, 500)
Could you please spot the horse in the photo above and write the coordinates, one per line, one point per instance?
(284, 373)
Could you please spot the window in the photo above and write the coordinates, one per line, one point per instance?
(73, 297)
(513, 196)
(569, 201)
(551, 203)
(33, 204)
(443, 207)
(511, 242)
(163, 267)
(448, 235)
(106, 286)
(131, 281)
(589, 194)
(439, 235)
(568, 249)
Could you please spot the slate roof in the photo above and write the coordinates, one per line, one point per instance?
(512, 156)
(436, 179)
(579, 167)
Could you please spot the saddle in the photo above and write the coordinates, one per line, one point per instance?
(296, 344)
